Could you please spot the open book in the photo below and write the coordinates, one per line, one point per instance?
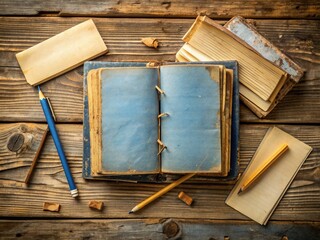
(169, 119)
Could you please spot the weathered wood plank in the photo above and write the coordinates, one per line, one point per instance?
(20, 141)
(121, 35)
(18, 101)
(299, 38)
(156, 229)
(176, 8)
(301, 202)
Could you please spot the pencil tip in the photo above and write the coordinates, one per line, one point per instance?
(41, 96)
(240, 191)
(130, 212)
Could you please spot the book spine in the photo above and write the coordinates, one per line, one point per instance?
(249, 34)
(161, 146)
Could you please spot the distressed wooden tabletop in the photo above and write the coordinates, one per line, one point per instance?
(293, 26)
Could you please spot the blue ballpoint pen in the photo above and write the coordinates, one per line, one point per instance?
(48, 114)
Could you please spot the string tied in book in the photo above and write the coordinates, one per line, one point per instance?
(163, 146)
(159, 90)
(160, 143)
(161, 150)
(163, 115)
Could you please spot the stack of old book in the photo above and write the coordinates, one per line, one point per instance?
(266, 75)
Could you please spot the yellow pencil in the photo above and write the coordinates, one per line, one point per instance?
(263, 167)
(161, 192)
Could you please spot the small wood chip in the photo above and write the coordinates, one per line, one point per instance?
(150, 42)
(96, 205)
(185, 198)
(153, 64)
(52, 207)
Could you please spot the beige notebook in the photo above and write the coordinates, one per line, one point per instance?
(261, 199)
(61, 53)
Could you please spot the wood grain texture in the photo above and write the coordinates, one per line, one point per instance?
(121, 36)
(156, 229)
(18, 101)
(19, 162)
(175, 8)
(301, 202)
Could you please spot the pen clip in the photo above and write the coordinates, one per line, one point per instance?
(51, 109)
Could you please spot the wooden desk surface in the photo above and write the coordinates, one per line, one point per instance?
(294, 26)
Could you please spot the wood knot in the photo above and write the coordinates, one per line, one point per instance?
(170, 228)
(15, 142)
(23, 128)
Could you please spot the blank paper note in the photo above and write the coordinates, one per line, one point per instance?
(260, 200)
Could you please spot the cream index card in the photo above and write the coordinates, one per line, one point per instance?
(261, 199)
(61, 53)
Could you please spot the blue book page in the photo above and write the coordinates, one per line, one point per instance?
(191, 131)
(130, 107)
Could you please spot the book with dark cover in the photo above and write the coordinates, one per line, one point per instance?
(193, 126)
